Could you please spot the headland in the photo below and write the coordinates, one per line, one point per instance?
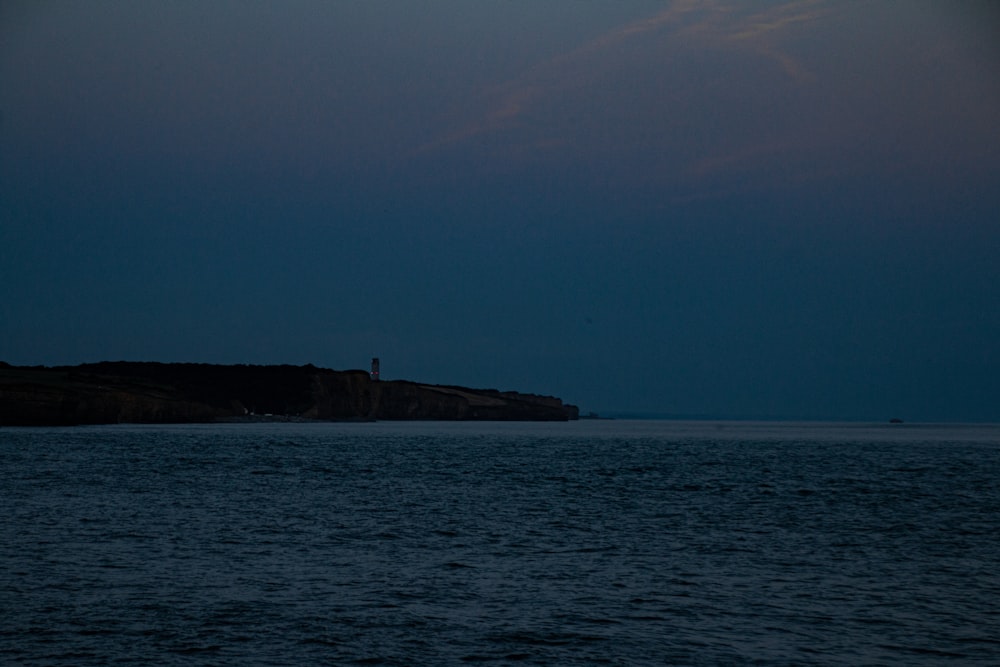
(164, 393)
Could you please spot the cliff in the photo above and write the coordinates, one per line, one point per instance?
(142, 392)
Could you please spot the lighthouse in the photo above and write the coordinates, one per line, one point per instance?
(375, 369)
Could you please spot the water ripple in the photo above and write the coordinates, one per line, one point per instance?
(397, 544)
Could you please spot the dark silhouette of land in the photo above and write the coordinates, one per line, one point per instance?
(152, 393)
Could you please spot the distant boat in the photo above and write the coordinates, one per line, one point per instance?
(895, 420)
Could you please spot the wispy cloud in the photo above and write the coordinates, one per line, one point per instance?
(713, 24)
(699, 27)
(780, 17)
(762, 31)
(510, 100)
(752, 167)
(738, 159)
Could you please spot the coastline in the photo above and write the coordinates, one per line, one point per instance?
(171, 393)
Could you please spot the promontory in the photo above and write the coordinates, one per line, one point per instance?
(160, 393)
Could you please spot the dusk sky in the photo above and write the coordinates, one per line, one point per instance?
(695, 208)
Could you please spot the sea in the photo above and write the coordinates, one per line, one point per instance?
(595, 542)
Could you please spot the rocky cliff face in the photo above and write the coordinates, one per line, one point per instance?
(343, 395)
(127, 392)
(57, 398)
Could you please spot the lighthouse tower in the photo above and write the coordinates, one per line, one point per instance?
(375, 369)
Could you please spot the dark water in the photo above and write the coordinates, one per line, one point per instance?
(591, 542)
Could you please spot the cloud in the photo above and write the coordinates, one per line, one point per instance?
(510, 100)
(739, 158)
(702, 24)
(701, 100)
(752, 168)
(780, 17)
(762, 31)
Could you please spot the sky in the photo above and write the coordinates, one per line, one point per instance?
(691, 208)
